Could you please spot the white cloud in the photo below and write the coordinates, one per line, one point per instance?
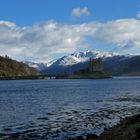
(124, 33)
(138, 15)
(78, 12)
(41, 42)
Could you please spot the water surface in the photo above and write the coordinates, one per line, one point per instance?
(57, 109)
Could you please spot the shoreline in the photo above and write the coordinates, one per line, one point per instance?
(49, 78)
(126, 129)
(45, 77)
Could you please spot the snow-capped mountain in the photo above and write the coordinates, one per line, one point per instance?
(38, 66)
(72, 59)
(113, 63)
(79, 57)
(51, 62)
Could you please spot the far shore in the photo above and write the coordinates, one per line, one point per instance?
(47, 77)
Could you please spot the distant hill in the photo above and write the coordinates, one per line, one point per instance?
(113, 63)
(9, 68)
(123, 66)
(75, 62)
(78, 61)
(70, 61)
(116, 66)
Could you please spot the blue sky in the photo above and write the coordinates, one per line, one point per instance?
(27, 12)
(41, 30)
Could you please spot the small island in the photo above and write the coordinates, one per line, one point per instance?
(94, 70)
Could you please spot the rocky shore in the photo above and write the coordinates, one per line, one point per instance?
(127, 129)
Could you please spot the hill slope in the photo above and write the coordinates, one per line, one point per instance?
(9, 68)
(123, 66)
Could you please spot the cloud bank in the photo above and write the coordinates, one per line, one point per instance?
(138, 15)
(79, 12)
(41, 42)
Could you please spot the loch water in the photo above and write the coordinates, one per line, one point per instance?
(59, 109)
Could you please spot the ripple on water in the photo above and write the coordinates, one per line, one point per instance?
(59, 111)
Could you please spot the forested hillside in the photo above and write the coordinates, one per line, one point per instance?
(9, 68)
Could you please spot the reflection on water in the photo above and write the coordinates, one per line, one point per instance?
(57, 109)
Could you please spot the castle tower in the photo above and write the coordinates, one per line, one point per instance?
(95, 65)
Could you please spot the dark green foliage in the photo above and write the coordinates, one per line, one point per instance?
(94, 69)
(9, 68)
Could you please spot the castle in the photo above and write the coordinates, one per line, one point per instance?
(94, 68)
(95, 65)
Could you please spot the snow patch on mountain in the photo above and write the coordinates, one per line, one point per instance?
(72, 59)
(38, 66)
(83, 57)
(51, 62)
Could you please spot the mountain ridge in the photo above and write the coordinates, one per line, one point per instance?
(72, 59)
(114, 63)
